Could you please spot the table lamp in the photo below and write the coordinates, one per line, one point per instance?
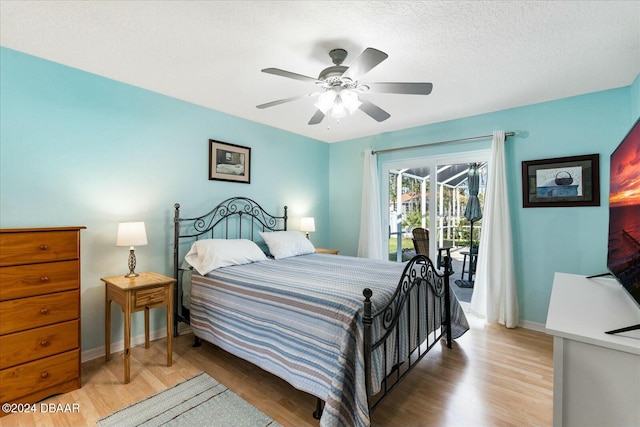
(308, 225)
(131, 234)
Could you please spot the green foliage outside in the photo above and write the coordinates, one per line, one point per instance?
(413, 219)
(407, 245)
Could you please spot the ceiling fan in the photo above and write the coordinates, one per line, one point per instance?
(340, 90)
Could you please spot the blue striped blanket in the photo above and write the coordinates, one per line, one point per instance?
(300, 318)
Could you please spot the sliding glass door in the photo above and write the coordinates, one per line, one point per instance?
(431, 193)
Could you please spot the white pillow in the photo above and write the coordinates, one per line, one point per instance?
(284, 244)
(208, 254)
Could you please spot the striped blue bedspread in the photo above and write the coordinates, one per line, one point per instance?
(300, 318)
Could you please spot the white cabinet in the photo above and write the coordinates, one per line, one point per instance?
(596, 375)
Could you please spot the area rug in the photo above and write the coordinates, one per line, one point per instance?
(198, 401)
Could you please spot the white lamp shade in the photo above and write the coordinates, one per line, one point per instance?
(325, 101)
(338, 111)
(307, 224)
(338, 101)
(131, 234)
(350, 101)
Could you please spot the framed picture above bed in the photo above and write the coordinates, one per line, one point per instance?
(229, 162)
(562, 181)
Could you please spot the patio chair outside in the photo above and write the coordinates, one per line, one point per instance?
(421, 240)
(421, 245)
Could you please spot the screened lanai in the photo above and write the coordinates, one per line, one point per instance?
(409, 191)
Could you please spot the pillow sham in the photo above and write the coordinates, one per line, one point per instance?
(208, 254)
(284, 244)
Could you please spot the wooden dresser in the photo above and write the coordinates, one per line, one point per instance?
(39, 313)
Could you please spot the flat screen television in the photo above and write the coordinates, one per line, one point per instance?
(623, 252)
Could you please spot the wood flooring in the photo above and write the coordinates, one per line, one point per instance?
(492, 376)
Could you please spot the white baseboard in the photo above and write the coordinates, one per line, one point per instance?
(527, 324)
(535, 326)
(98, 352)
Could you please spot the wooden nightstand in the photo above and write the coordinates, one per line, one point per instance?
(147, 291)
(327, 251)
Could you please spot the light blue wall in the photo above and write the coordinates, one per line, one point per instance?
(546, 240)
(79, 149)
(635, 99)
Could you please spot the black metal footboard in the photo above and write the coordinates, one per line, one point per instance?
(417, 317)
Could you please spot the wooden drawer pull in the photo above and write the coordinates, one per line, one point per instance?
(44, 343)
(44, 279)
(44, 311)
(44, 375)
(44, 247)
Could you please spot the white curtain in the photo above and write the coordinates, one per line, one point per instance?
(494, 295)
(370, 243)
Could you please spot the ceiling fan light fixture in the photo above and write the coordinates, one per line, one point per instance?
(338, 110)
(341, 87)
(339, 102)
(326, 101)
(350, 100)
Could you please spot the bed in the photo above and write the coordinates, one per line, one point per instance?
(343, 329)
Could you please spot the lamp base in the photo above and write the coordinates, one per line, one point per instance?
(132, 264)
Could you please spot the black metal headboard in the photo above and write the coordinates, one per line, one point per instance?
(234, 218)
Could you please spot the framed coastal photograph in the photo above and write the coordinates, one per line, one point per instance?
(561, 182)
(229, 162)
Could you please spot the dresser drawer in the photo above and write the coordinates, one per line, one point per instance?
(26, 313)
(37, 279)
(38, 246)
(149, 297)
(22, 347)
(23, 380)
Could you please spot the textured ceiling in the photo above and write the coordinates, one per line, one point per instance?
(481, 56)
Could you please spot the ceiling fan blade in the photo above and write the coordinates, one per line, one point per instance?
(364, 63)
(371, 109)
(318, 117)
(403, 88)
(289, 74)
(282, 101)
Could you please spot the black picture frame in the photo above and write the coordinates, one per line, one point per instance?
(561, 182)
(229, 162)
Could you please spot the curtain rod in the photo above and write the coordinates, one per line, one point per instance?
(475, 138)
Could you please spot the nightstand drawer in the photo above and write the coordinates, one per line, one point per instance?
(149, 297)
(34, 247)
(22, 347)
(26, 379)
(38, 279)
(26, 313)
